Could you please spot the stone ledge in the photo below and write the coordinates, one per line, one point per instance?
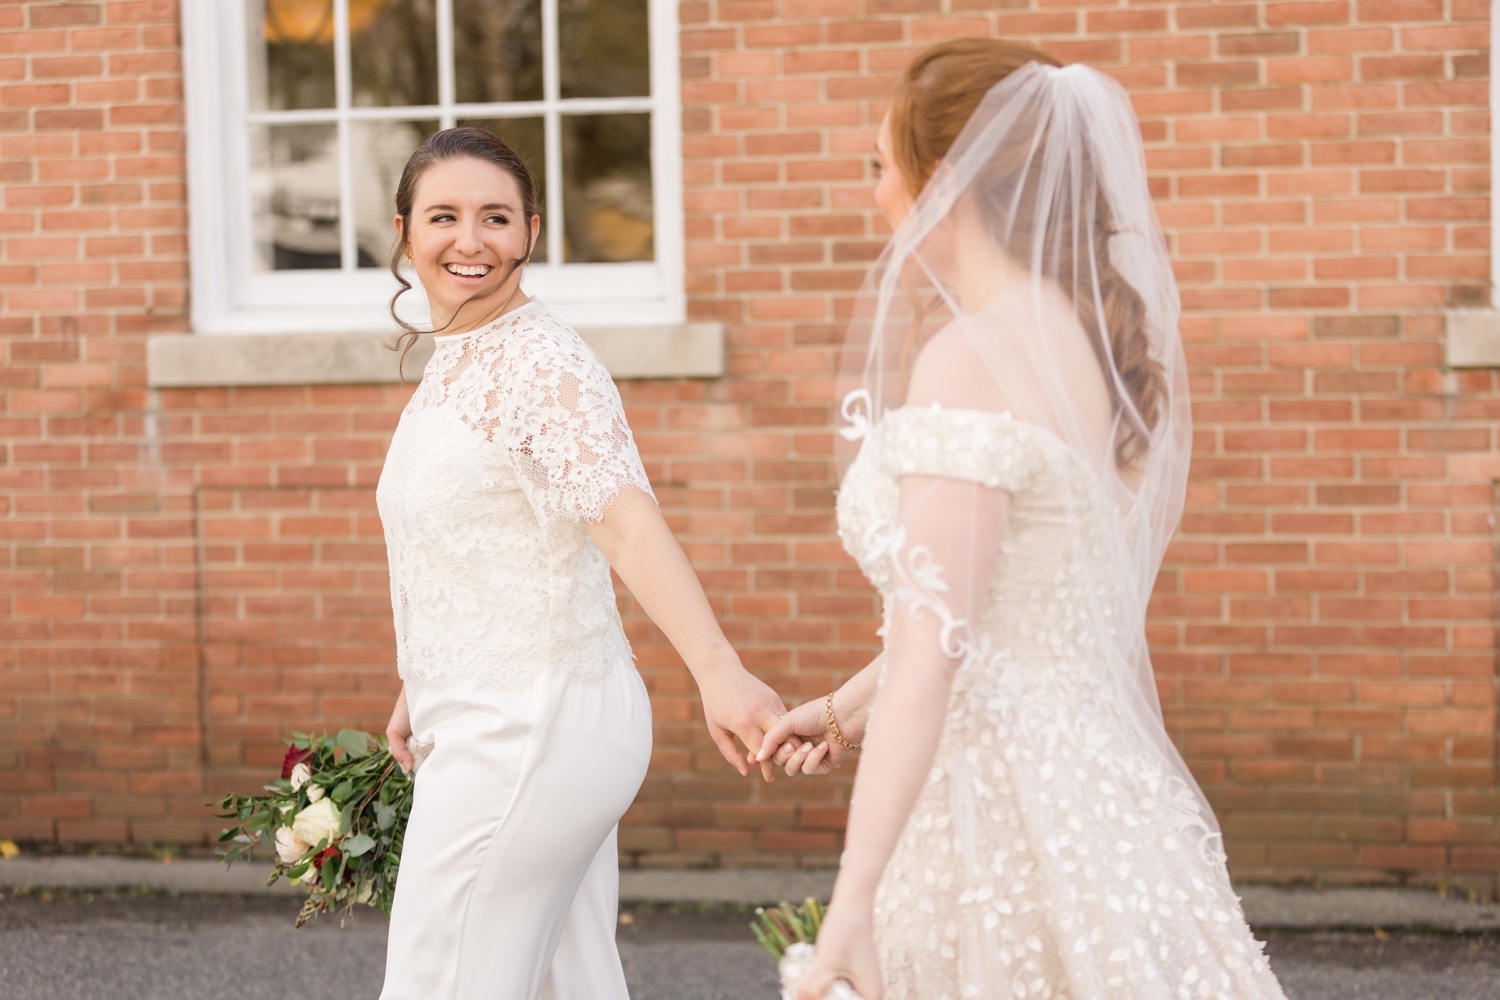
(175, 361)
(1267, 907)
(1473, 339)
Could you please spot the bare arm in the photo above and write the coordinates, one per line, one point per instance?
(637, 542)
(961, 524)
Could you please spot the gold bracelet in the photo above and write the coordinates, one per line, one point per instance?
(833, 727)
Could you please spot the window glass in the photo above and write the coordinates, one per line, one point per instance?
(294, 180)
(393, 57)
(291, 54)
(607, 188)
(497, 51)
(603, 48)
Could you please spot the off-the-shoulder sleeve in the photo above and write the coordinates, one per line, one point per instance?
(563, 425)
(989, 448)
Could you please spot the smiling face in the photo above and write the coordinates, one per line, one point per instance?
(468, 230)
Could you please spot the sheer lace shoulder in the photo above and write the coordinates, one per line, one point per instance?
(989, 448)
(546, 398)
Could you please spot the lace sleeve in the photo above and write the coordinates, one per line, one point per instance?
(981, 447)
(561, 421)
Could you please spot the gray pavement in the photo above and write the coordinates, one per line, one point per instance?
(65, 945)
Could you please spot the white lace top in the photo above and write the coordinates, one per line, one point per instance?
(515, 437)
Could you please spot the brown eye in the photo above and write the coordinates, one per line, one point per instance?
(875, 166)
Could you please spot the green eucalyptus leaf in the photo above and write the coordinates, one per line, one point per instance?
(358, 844)
(355, 743)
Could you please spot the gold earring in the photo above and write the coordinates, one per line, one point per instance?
(411, 258)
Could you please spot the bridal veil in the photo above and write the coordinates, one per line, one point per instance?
(1031, 278)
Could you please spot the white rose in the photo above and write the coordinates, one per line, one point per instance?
(289, 847)
(314, 792)
(300, 774)
(319, 821)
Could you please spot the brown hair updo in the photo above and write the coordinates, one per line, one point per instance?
(453, 144)
(940, 90)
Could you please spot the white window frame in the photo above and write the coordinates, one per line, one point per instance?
(231, 297)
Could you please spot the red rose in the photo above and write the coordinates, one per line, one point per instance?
(327, 854)
(294, 756)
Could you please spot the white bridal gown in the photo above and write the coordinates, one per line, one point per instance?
(1046, 857)
(516, 668)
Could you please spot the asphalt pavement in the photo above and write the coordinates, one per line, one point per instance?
(133, 946)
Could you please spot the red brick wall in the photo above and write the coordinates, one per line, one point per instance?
(187, 575)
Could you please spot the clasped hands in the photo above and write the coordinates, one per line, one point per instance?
(798, 740)
(803, 742)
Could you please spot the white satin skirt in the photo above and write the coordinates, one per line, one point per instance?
(509, 881)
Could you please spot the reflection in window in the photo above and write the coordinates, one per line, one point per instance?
(294, 179)
(393, 56)
(293, 68)
(497, 51)
(607, 188)
(528, 137)
(602, 48)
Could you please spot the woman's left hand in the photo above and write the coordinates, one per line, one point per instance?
(845, 950)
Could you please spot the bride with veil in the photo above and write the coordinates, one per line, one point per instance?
(1014, 449)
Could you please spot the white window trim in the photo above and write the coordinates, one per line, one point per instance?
(228, 297)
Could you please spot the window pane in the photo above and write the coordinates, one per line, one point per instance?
(497, 50)
(294, 181)
(528, 136)
(291, 54)
(602, 48)
(607, 188)
(378, 152)
(393, 52)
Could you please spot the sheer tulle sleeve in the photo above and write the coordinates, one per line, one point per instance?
(563, 426)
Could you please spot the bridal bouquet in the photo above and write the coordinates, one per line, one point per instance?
(336, 816)
(788, 933)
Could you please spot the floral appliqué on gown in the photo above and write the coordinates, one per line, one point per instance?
(1047, 855)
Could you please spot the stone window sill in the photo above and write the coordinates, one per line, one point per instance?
(1473, 339)
(681, 350)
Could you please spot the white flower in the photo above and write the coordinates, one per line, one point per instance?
(300, 775)
(319, 821)
(314, 792)
(289, 847)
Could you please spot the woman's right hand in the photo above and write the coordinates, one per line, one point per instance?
(397, 730)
